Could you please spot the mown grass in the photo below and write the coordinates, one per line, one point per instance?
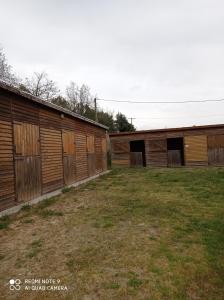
(133, 234)
(4, 222)
(34, 248)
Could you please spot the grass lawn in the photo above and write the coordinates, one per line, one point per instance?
(131, 234)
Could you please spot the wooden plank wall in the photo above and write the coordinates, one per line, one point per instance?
(7, 189)
(195, 149)
(69, 150)
(99, 154)
(120, 153)
(216, 150)
(104, 152)
(27, 161)
(81, 156)
(156, 153)
(91, 154)
(158, 156)
(51, 155)
(43, 159)
(7, 184)
(174, 158)
(136, 159)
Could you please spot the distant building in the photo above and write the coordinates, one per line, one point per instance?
(174, 147)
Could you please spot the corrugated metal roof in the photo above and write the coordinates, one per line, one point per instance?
(30, 97)
(167, 130)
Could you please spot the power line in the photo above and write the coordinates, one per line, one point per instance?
(161, 102)
(175, 117)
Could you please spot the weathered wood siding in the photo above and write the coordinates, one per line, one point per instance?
(91, 154)
(104, 153)
(81, 156)
(195, 149)
(52, 166)
(7, 184)
(120, 153)
(42, 149)
(27, 161)
(174, 158)
(99, 154)
(136, 159)
(156, 153)
(216, 150)
(205, 146)
(7, 189)
(68, 138)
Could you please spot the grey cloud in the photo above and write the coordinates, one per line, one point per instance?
(140, 50)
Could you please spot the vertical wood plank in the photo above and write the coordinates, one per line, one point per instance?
(27, 161)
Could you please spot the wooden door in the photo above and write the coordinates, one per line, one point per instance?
(174, 158)
(81, 156)
(68, 139)
(120, 153)
(27, 161)
(52, 163)
(156, 152)
(195, 148)
(91, 155)
(136, 159)
(216, 150)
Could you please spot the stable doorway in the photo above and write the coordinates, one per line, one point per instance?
(175, 152)
(137, 153)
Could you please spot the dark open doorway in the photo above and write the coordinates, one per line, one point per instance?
(175, 152)
(137, 153)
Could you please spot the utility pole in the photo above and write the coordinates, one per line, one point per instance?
(131, 120)
(96, 117)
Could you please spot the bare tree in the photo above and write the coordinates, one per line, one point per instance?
(61, 101)
(86, 99)
(6, 70)
(41, 86)
(72, 95)
(79, 97)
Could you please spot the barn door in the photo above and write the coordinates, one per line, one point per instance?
(81, 156)
(68, 139)
(195, 148)
(174, 158)
(216, 150)
(136, 159)
(91, 155)
(157, 152)
(120, 153)
(51, 156)
(27, 161)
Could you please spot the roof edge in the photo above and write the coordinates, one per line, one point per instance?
(166, 129)
(15, 90)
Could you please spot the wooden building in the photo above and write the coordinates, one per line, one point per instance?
(187, 146)
(44, 147)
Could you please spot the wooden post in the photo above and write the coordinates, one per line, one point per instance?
(131, 120)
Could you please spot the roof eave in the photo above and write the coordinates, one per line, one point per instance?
(166, 130)
(26, 95)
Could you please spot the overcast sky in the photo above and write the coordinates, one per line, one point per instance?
(154, 50)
